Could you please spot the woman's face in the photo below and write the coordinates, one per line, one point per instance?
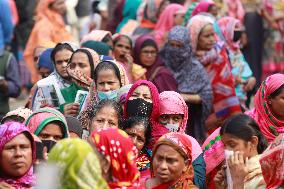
(171, 119)
(168, 164)
(81, 63)
(276, 106)
(121, 48)
(143, 92)
(176, 44)
(178, 19)
(61, 59)
(52, 131)
(206, 39)
(106, 117)
(148, 55)
(137, 134)
(16, 157)
(236, 144)
(107, 81)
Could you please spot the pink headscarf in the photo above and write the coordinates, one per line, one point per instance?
(227, 25)
(214, 151)
(235, 9)
(7, 132)
(172, 102)
(202, 7)
(166, 21)
(269, 125)
(195, 25)
(21, 112)
(95, 35)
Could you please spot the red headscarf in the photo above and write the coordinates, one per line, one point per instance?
(120, 151)
(181, 143)
(8, 131)
(202, 7)
(156, 127)
(269, 125)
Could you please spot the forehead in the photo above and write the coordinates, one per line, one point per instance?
(175, 42)
(230, 138)
(208, 28)
(142, 89)
(19, 139)
(123, 40)
(63, 52)
(166, 150)
(80, 56)
(52, 127)
(107, 112)
(106, 74)
(149, 47)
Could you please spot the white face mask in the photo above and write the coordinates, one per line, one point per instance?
(172, 127)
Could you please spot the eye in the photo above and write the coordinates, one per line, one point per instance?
(57, 138)
(44, 136)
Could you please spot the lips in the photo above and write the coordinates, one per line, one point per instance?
(162, 175)
(19, 164)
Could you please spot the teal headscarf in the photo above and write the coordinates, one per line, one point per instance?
(100, 47)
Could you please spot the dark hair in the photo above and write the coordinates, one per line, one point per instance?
(120, 37)
(132, 121)
(90, 58)
(14, 118)
(106, 103)
(277, 92)
(107, 38)
(107, 65)
(244, 127)
(60, 47)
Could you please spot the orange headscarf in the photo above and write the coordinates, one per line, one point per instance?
(49, 26)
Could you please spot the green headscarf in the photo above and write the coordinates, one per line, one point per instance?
(78, 163)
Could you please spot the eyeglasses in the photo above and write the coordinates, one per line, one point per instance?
(152, 53)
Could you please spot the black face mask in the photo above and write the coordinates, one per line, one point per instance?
(237, 35)
(139, 107)
(48, 144)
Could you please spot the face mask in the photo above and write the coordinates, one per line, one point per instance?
(139, 107)
(228, 153)
(237, 35)
(172, 127)
(48, 144)
(110, 95)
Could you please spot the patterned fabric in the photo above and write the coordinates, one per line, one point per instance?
(166, 22)
(80, 78)
(240, 67)
(21, 112)
(40, 118)
(269, 125)
(181, 144)
(189, 12)
(157, 128)
(95, 35)
(214, 151)
(79, 165)
(272, 163)
(116, 146)
(7, 132)
(225, 102)
(190, 75)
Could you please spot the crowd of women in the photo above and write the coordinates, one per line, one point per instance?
(156, 106)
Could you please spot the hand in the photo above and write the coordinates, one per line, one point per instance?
(250, 84)
(220, 179)
(129, 60)
(238, 169)
(4, 185)
(3, 86)
(71, 109)
(45, 154)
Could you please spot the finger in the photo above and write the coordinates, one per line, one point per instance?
(241, 157)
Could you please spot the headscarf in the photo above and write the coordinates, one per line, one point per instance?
(139, 44)
(190, 75)
(235, 9)
(45, 60)
(195, 25)
(74, 125)
(181, 144)
(269, 125)
(95, 35)
(80, 78)
(79, 165)
(40, 118)
(166, 21)
(272, 163)
(8, 131)
(149, 14)
(202, 7)
(100, 47)
(129, 12)
(227, 25)
(122, 93)
(214, 151)
(21, 112)
(117, 147)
